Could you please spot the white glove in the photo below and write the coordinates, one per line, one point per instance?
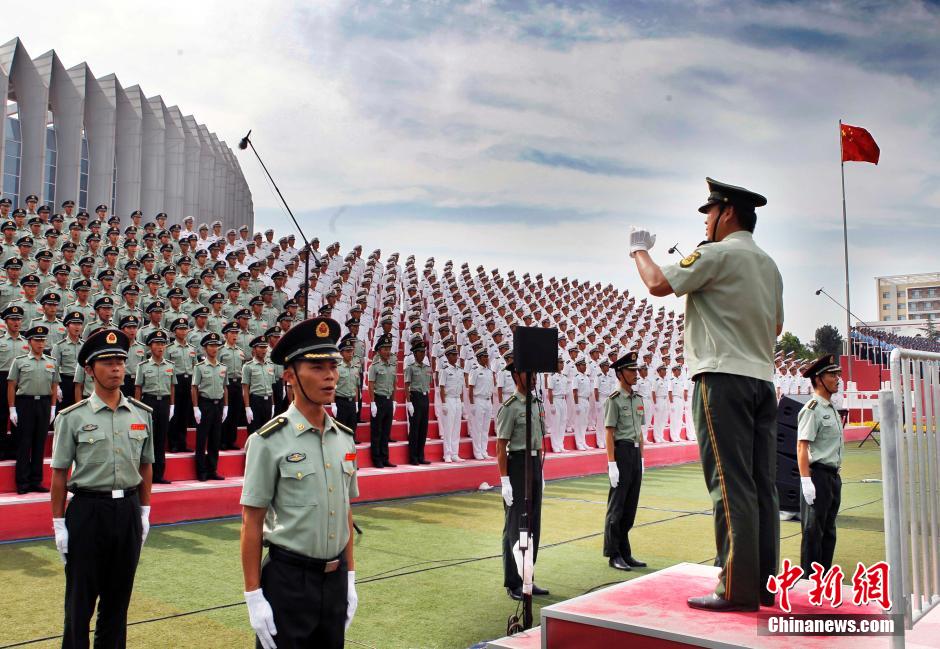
(61, 537)
(145, 520)
(642, 466)
(507, 490)
(51, 414)
(58, 393)
(197, 414)
(261, 618)
(352, 599)
(640, 240)
(224, 412)
(443, 407)
(410, 409)
(14, 418)
(172, 410)
(393, 409)
(249, 415)
(809, 490)
(614, 474)
(373, 409)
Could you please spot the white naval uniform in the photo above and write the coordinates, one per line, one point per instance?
(450, 378)
(676, 407)
(481, 410)
(661, 408)
(558, 410)
(583, 384)
(688, 385)
(644, 388)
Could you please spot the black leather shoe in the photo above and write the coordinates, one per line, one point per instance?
(202, 478)
(618, 563)
(39, 489)
(634, 563)
(536, 590)
(22, 490)
(389, 465)
(378, 465)
(162, 481)
(515, 593)
(216, 476)
(712, 602)
(424, 462)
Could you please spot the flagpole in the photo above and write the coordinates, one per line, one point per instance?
(845, 244)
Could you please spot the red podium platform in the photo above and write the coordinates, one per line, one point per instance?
(651, 611)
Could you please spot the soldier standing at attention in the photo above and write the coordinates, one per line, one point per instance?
(257, 385)
(233, 357)
(65, 354)
(347, 385)
(734, 312)
(211, 399)
(510, 457)
(12, 344)
(183, 356)
(106, 442)
(154, 384)
(819, 455)
(31, 386)
(303, 594)
(624, 418)
(417, 387)
(381, 388)
(136, 355)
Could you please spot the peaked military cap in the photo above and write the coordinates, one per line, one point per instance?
(258, 341)
(626, 362)
(199, 312)
(39, 331)
(104, 343)
(13, 311)
(73, 316)
(723, 193)
(129, 321)
(179, 323)
(823, 364)
(230, 326)
(81, 285)
(13, 262)
(156, 305)
(314, 339)
(211, 339)
(50, 298)
(30, 280)
(383, 341)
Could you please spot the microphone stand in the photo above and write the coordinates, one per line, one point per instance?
(849, 341)
(244, 144)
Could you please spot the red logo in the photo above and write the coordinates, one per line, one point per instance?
(782, 583)
(871, 585)
(138, 426)
(350, 457)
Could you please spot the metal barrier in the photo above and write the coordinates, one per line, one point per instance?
(910, 458)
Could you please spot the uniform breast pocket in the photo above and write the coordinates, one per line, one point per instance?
(138, 438)
(349, 468)
(92, 448)
(297, 485)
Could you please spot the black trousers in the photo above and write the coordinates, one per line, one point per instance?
(738, 415)
(7, 441)
(380, 429)
(513, 515)
(622, 500)
(208, 437)
(182, 413)
(104, 547)
(280, 397)
(127, 388)
(346, 413)
(30, 434)
(236, 414)
(819, 519)
(161, 426)
(262, 410)
(417, 427)
(309, 605)
(67, 384)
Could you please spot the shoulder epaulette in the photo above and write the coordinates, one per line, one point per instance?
(140, 404)
(272, 426)
(509, 400)
(614, 394)
(344, 428)
(812, 404)
(73, 406)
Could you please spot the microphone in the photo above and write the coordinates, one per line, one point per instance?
(818, 291)
(821, 291)
(244, 143)
(674, 250)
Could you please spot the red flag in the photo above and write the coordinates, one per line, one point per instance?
(858, 145)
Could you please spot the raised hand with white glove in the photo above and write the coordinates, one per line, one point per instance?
(51, 414)
(249, 415)
(14, 418)
(410, 408)
(352, 598)
(261, 618)
(197, 414)
(614, 474)
(224, 413)
(507, 490)
(145, 521)
(373, 409)
(61, 537)
(640, 239)
(808, 489)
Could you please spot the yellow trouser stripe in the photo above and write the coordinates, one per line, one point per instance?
(724, 492)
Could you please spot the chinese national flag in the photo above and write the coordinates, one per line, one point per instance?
(858, 145)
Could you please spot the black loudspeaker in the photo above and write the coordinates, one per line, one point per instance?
(789, 408)
(786, 440)
(535, 349)
(788, 483)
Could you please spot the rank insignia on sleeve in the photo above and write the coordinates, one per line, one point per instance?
(296, 457)
(691, 259)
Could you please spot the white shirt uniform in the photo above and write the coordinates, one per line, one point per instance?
(483, 382)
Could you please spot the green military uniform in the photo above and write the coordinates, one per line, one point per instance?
(347, 394)
(184, 358)
(820, 424)
(624, 412)
(259, 379)
(511, 426)
(65, 354)
(418, 382)
(382, 384)
(234, 358)
(36, 378)
(734, 306)
(156, 381)
(210, 381)
(87, 381)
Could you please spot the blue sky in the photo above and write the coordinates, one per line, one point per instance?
(531, 135)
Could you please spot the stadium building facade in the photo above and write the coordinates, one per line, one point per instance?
(71, 135)
(909, 298)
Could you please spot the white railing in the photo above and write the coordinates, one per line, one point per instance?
(910, 458)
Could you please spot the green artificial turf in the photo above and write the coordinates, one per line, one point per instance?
(429, 572)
